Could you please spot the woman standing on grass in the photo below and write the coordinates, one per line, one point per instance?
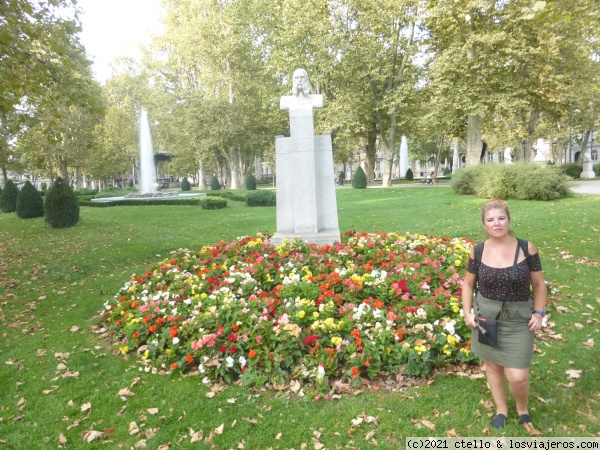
(520, 316)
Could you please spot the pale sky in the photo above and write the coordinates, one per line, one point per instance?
(113, 28)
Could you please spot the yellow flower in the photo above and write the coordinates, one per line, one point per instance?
(203, 296)
(330, 322)
(336, 340)
(124, 349)
(452, 340)
(316, 315)
(458, 262)
(340, 324)
(466, 351)
(132, 288)
(146, 355)
(388, 350)
(301, 314)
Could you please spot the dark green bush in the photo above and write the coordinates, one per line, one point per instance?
(213, 202)
(596, 169)
(215, 185)
(62, 207)
(30, 203)
(8, 198)
(262, 197)
(574, 169)
(447, 171)
(185, 185)
(44, 186)
(360, 179)
(250, 182)
(230, 196)
(409, 175)
(524, 181)
(342, 175)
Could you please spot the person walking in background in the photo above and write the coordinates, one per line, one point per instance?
(504, 272)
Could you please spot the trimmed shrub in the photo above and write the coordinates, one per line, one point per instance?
(447, 171)
(215, 185)
(230, 196)
(524, 181)
(574, 169)
(8, 198)
(261, 198)
(185, 185)
(250, 182)
(536, 182)
(62, 207)
(30, 203)
(596, 169)
(360, 179)
(409, 175)
(142, 202)
(342, 175)
(213, 202)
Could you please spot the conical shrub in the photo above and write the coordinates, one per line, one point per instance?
(185, 185)
(62, 207)
(30, 203)
(409, 175)
(360, 179)
(250, 182)
(8, 198)
(215, 185)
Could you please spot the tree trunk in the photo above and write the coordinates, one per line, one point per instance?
(235, 166)
(527, 143)
(438, 157)
(474, 142)
(201, 175)
(371, 151)
(77, 177)
(584, 144)
(455, 156)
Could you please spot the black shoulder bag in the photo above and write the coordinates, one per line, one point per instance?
(488, 326)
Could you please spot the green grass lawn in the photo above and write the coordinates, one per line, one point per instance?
(60, 377)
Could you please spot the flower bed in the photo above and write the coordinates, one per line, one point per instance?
(268, 315)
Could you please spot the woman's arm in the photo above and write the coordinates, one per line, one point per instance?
(467, 297)
(539, 293)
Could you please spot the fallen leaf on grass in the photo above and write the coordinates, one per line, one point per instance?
(452, 433)
(133, 428)
(125, 392)
(140, 444)
(589, 343)
(196, 435)
(62, 355)
(356, 422)
(41, 352)
(428, 424)
(210, 394)
(231, 400)
(241, 444)
(219, 429)
(62, 440)
(151, 432)
(278, 436)
(152, 411)
(86, 406)
(531, 429)
(74, 329)
(573, 373)
(249, 420)
(91, 435)
(369, 435)
(567, 385)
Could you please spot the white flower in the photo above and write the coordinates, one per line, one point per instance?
(201, 368)
(205, 380)
(242, 361)
(320, 372)
(175, 340)
(229, 360)
(450, 328)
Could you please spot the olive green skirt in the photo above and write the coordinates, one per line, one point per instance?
(515, 341)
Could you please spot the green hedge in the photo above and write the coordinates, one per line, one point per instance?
(261, 198)
(205, 202)
(574, 169)
(230, 196)
(525, 181)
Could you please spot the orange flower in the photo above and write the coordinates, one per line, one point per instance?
(189, 359)
(174, 366)
(136, 334)
(151, 328)
(234, 327)
(134, 304)
(355, 372)
(251, 354)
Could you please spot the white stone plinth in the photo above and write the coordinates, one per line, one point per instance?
(588, 170)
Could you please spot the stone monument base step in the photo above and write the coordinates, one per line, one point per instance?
(321, 238)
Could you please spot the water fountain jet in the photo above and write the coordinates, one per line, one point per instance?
(147, 167)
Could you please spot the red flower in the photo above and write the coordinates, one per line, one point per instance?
(174, 331)
(189, 359)
(174, 366)
(234, 327)
(151, 329)
(232, 338)
(136, 334)
(366, 364)
(355, 372)
(160, 320)
(233, 349)
(223, 348)
(311, 340)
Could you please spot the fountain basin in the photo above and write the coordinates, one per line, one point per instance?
(150, 196)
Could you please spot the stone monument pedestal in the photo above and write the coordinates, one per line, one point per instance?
(588, 170)
(306, 200)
